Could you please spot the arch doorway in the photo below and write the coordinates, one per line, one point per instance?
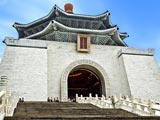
(83, 81)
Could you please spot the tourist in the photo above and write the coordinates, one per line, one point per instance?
(73, 100)
(57, 100)
(22, 99)
(48, 100)
(51, 100)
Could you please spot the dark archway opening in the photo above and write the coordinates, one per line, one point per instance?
(83, 82)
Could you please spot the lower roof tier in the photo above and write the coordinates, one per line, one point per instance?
(58, 32)
(72, 37)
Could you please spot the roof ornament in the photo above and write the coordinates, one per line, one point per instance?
(68, 8)
(54, 26)
(56, 11)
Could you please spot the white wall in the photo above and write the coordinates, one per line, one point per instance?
(26, 69)
(34, 68)
(62, 54)
(143, 75)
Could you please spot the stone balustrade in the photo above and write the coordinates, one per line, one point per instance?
(2, 105)
(12, 101)
(8, 101)
(134, 105)
(139, 107)
(7, 104)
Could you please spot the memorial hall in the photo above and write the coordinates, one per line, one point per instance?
(63, 54)
(68, 66)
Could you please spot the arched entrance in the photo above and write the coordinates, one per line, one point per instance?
(83, 81)
(92, 66)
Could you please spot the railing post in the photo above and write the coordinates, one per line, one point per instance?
(103, 97)
(113, 101)
(150, 105)
(96, 96)
(77, 98)
(81, 99)
(133, 104)
(96, 99)
(127, 98)
(139, 100)
(103, 101)
(90, 97)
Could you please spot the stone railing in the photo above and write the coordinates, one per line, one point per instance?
(139, 107)
(12, 101)
(133, 105)
(8, 102)
(2, 105)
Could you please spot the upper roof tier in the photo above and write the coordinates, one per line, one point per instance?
(76, 22)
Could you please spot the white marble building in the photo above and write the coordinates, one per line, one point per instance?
(65, 53)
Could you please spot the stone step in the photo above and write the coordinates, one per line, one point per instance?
(47, 112)
(48, 109)
(72, 111)
(54, 105)
(77, 111)
(89, 117)
(45, 108)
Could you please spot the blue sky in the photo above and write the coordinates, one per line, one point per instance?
(140, 18)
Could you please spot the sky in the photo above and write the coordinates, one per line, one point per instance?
(139, 18)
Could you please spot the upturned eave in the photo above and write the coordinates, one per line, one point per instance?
(54, 26)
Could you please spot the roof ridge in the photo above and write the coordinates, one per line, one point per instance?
(53, 11)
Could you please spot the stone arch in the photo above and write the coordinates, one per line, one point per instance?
(89, 65)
